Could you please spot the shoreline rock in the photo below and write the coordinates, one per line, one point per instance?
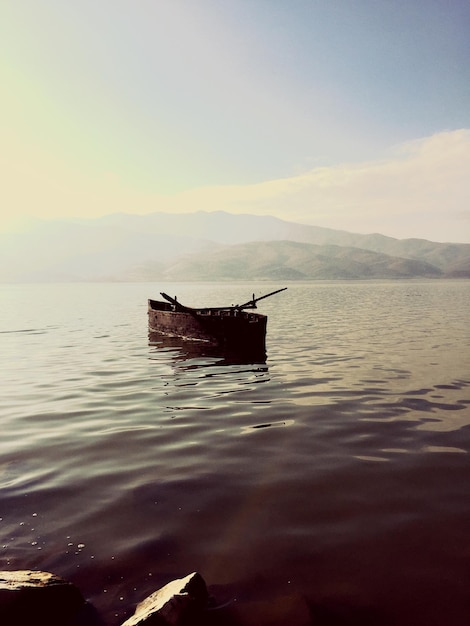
(32, 597)
(37, 597)
(179, 602)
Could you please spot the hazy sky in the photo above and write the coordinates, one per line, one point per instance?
(351, 114)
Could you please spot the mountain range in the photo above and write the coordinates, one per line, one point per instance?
(215, 246)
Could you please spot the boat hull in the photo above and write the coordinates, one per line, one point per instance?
(227, 328)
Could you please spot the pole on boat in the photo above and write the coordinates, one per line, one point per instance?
(251, 304)
(174, 301)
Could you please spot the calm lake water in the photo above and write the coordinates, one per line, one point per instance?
(329, 485)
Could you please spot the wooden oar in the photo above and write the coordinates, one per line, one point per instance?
(176, 303)
(251, 304)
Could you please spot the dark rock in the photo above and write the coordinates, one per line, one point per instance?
(178, 603)
(37, 597)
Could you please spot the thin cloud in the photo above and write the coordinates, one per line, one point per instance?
(426, 179)
(421, 190)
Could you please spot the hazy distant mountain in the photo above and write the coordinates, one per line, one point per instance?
(290, 260)
(215, 246)
(88, 249)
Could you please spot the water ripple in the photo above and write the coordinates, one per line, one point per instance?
(336, 470)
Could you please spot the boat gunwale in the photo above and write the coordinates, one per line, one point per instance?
(232, 311)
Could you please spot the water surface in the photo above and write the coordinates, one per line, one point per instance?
(328, 485)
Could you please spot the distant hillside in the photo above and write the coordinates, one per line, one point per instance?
(215, 246)
(88, 249)
(228, 228)
(289, 260)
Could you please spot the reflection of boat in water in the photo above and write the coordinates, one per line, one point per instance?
(180, 349)
(234, 329)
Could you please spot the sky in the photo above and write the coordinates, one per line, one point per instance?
(347, 114)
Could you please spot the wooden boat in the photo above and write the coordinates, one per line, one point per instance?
(232, 328)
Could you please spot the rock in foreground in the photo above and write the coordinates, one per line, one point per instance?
(180, 602)
(37, 597)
